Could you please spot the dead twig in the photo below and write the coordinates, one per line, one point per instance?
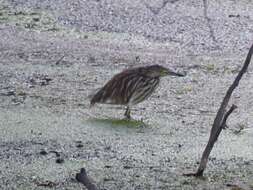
(59, 60)
(221, 118)
(83, 178)
(224, 121)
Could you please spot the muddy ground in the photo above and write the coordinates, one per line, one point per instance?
(55, 53)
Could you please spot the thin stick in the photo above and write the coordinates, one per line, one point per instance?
(59, 60)
(221, 118)
(224, 122)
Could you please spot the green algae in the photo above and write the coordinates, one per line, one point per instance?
(117, 122)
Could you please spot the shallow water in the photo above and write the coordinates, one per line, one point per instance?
(169, 131)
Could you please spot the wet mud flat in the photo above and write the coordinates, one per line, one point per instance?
(48, 131)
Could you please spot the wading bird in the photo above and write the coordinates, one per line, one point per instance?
(131, 86)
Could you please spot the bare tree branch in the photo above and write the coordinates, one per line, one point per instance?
(221, 118)
(224, 122)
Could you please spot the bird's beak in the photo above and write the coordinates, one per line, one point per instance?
(173, 73)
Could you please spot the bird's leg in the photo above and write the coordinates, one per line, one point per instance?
(127, 113)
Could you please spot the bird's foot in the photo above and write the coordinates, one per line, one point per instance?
(127, 114)
(127, 117)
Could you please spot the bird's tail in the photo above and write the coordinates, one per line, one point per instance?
(94, 97)
(92, 100)
(92, 103)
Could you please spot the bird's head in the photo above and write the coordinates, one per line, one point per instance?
(160, 71)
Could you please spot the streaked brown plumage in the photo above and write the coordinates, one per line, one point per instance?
(131, 86)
